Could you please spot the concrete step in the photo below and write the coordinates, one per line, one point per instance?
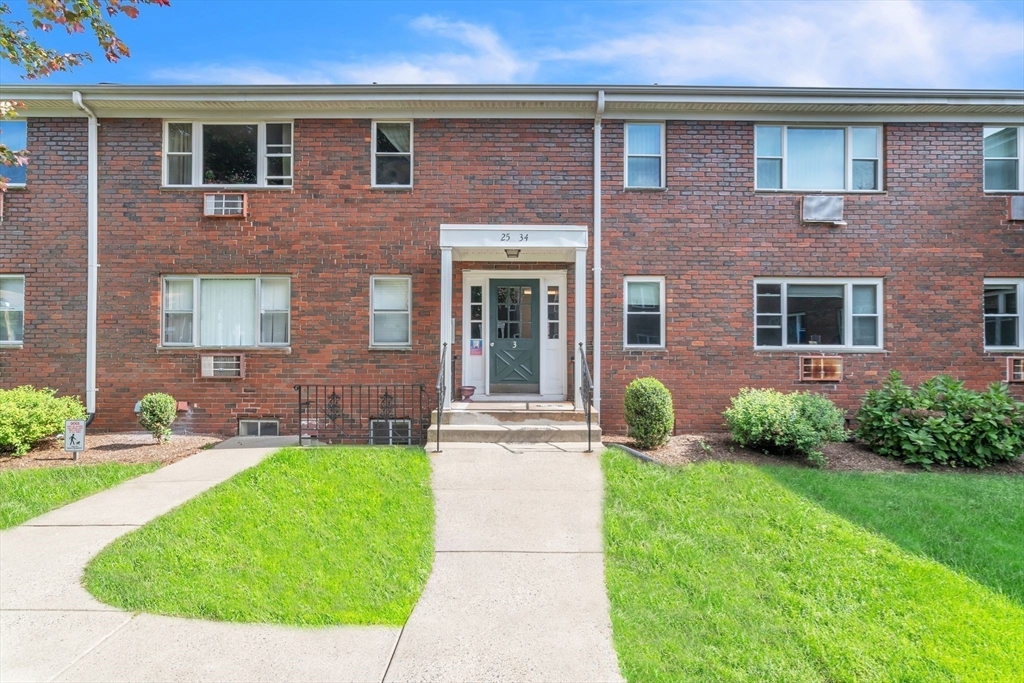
(538, 432)
(493, 416)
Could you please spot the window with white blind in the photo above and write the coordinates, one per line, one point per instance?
(390, 311)
(12, 309)
(227, 154)
(644, 312)
(226, 311)
(818, 313)
(645, 155)
(818, 158)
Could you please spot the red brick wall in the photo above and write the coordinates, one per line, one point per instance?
(933, 236)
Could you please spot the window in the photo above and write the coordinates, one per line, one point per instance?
(818, 313)
(391, 311)
(392, 154)
(1004, 324)
(554, 312)
(645, 155)
(12, 309)
(232, 311)
(14, 134)
(243, 154)
(1003, 150)
(390, 432)
(257, 428)
(806, 158)
(645, 311)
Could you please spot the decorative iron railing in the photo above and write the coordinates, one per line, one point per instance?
(586, 392)
(382, 414)
(442, 388)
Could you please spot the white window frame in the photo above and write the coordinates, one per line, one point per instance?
(197, 312)
(390, 345)
(626, 155)
(259, 426)
(16, 342)
(391, 440)
(1020, 161)
(1019, 282)
(660, 280)
(197, 153)
(848, 157)
(373, 152)
(848, 315)
(3, 124)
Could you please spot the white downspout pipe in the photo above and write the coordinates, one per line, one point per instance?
(93, 256)
(597, 249)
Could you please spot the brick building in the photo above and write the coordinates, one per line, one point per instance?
(714, 238)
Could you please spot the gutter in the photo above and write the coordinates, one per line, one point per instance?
(93, 257)
(597, 249)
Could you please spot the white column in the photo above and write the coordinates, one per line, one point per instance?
(446, 319)
(581, 323)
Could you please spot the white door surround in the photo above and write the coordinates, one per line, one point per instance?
(516, 244)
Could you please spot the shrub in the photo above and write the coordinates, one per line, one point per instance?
(156, 414)
(942, 423)
(29, 415)
(783, 424)
(649, 412)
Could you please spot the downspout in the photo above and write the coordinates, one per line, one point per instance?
(597, 249)
(93, 257)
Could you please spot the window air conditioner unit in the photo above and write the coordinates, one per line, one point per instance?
(225, 205)
(1015, 369)
(232, 366)
(819, 208)
(821, 368)
(1016, 207)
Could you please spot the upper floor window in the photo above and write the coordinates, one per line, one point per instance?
(12, 309)
(226, 311)
(818, 158)
(14, 135)
(645, 155)
(1004, 323)
(1004, 148)
(392, 154)
(818, 313)
(645, 312)
(244, 154)
(390, 310)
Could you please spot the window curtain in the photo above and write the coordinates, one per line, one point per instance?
(816, 158)
(274, 314)
(397, 134)
(391, 311)
(227, 310)
(644, 296)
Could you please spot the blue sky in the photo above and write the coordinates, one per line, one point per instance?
(878, 43)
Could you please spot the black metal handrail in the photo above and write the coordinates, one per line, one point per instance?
(383, 414)
(441, 390)
(586, 392)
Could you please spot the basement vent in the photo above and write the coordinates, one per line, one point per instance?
(390, 432)
(1015, 369)
(225, 205)
(823, 209)
(258, 428)
(821, 368)
(1016, 207)
(232, 366)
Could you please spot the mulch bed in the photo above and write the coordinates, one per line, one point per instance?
(121, 447)
(850, 457)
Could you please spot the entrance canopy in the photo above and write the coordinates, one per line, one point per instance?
(511, 243)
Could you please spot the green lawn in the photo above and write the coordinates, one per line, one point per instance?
(719, 572)
(313, 536)
(28, 493)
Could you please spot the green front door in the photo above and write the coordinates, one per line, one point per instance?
(515, 327)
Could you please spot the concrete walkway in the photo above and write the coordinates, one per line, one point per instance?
(517, 591)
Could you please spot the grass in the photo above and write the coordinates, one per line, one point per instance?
(718, 572)
(318, 536)
(971, 524)
(28, 493)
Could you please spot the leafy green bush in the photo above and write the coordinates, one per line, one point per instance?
(649, 412)
(781, 424)
(156, 413)
(29, 415)
(942, 423)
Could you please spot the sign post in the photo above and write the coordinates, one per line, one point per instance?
(74, 436)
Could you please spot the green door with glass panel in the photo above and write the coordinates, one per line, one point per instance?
(515, 348)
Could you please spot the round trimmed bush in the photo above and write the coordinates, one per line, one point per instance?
(649, 412)
(157, 412)
(775, 423)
